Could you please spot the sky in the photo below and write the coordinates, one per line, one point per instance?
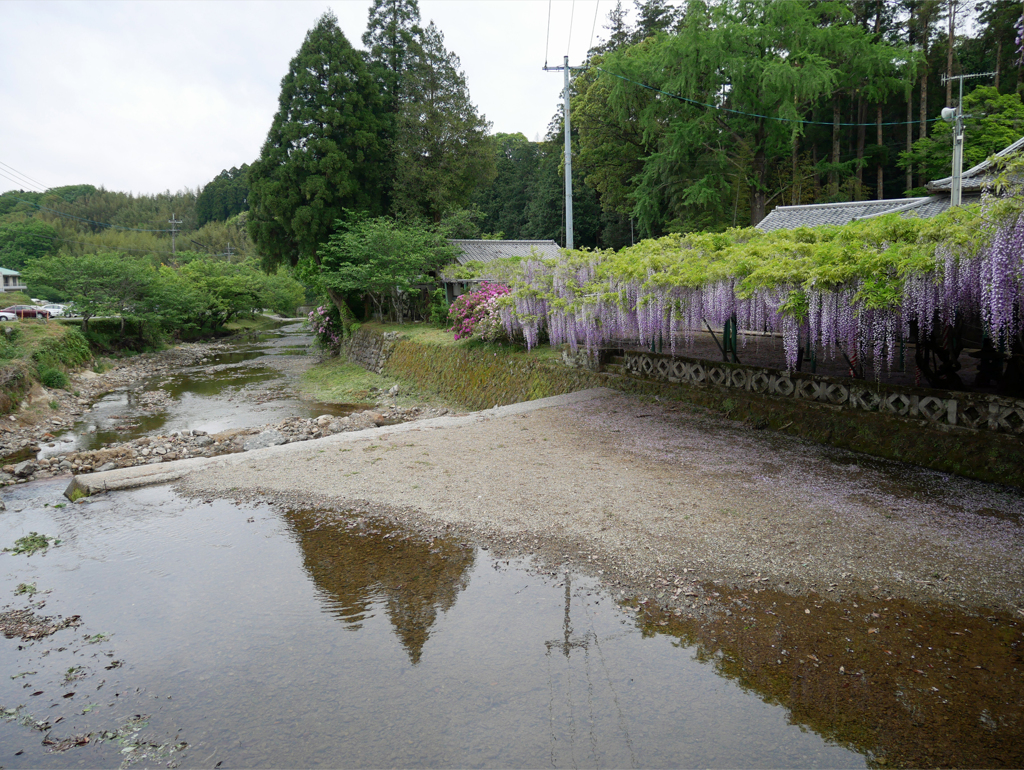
(149, 95)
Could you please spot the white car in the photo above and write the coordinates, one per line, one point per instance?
(55, 310)
(8, 316)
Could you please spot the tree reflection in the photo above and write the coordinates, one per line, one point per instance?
(357, 564)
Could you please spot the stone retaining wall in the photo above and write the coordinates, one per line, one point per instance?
(371, 349)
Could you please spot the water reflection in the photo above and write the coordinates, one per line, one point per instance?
(305, 638)
(907, 685)
(357, 566)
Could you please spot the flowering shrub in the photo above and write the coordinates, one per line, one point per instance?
(477, 314)
(325, 323)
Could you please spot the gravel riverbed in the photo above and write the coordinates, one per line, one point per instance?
(663, 503)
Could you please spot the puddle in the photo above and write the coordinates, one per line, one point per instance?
(213, 633)
(233, 389)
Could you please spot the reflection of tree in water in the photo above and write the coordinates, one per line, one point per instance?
(354, 562)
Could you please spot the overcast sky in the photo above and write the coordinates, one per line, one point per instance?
(150, 96)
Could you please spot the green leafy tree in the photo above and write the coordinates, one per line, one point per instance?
(98, 284)
(21, 242)
(996, 121)
(392, 40)
(751, 63)
(224, 197)
(229, 289)
(322, 152)
(382, 259)
(504, 202)
(441, 152)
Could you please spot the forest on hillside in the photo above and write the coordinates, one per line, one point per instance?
(693, 116)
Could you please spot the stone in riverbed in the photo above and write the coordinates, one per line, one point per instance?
(24, 469)
(263, 440)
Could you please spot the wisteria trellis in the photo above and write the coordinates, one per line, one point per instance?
(859, 298)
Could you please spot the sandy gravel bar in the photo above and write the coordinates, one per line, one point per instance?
(631, 488)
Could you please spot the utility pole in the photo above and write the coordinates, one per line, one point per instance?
(174, 231)
(568, 152)
(956, 117)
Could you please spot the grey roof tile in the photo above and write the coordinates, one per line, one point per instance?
(816, 214)
(485, 251)
(976, 177)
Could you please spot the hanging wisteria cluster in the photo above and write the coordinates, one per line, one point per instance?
(853, 290)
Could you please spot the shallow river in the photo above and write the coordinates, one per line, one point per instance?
(213, 633)
(251, 384)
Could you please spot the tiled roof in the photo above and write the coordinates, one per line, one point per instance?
(485, 251)
(976, 177)
(813, 215)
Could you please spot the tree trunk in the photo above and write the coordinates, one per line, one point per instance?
(910, 135)
(833, 177)
(924, 116)
(795, 193)
(879, 186)
(861, 139)
(758, 194)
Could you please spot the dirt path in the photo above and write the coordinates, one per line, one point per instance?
(636, 490)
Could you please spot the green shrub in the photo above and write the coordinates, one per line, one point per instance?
(53, 378)
(69, 351)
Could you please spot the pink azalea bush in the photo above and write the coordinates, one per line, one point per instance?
(325, 323)
(478, 314)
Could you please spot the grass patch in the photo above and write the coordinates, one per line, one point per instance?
(425, 334)
(337, 381)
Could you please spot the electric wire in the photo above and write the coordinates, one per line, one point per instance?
(749, 114)
(547, 42)
(593, 27)
(572, 15)
(39, 185)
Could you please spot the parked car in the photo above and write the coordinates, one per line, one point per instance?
(5, 316)
(54, 310)
(26, 311)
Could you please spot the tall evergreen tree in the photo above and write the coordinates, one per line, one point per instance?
(322, 153)
(441, 151)
(392, 41)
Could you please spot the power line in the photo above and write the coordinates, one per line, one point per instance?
(572, 15)
(25, 176)
(593, 26)
(547, 42)
(748, 114)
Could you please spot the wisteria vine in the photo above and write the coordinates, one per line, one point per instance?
(854, 290)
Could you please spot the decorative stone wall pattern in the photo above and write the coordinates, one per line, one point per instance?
(936, 407)
(371, 350)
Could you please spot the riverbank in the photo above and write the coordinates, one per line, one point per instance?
(44, 413)
(661, 500)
